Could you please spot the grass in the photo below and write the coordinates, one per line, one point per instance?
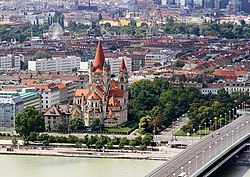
(199, 132)
(180, 133)
(124, 128)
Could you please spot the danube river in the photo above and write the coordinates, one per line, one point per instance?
(232, 171)
(38, 166)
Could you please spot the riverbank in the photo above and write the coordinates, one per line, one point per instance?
(162, 153)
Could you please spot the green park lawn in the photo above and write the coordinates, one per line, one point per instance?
(124, 128)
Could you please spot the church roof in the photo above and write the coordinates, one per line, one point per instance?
(99, 58)
(113, 102)
(123, 65)
(114, 84)
(94, 96)
(116, 93)
(100, 90)
(81, 92)
(111, 112)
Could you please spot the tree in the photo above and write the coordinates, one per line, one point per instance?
(110, 145)
(41, 55)
(14, 141)
(132, 144)
(147, 139)
(99, 145)
(179, 64)
(29, 120)
(78, 144)
(76, 124)
(97, 125)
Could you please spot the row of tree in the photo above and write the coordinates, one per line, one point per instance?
(229, 31)
(97, 142)
(221, 106)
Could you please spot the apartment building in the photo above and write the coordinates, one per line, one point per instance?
(116, 62)
(10, 106)
(10, 62)
(55, 64)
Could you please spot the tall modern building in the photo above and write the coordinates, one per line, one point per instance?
(104, 99)
(10, 106)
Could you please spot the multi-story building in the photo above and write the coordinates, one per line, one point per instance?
(60, 115)
(151, 59)
(104, 98)
(55, 64)
(211, 88)
(10, 62)
(50, 94)
(115, 64)
(237, 87)
(29, 96)
(10, 106)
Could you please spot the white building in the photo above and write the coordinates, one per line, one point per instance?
(50, 94)
(9, 107)
(151, 59)
(237, 87)
(115, 64)
(29, 96)
(55, 64)
(10, 62)
(211, 88)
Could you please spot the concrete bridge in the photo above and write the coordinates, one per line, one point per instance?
(205, 156)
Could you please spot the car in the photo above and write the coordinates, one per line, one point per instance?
(218, 133)
(183, 174)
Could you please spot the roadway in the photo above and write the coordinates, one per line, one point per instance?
(203, 153)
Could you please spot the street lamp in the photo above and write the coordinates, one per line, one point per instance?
(205, 128)
(209, 155)
(189, 162)
(193, 133)
(215, 148)
(242, 129)
(225, 117)
(196, 162)
(221, 144)
(229, 116)
(237, 133)
(232, 136)
(203, 154)
(215, 123)
(220, 120)
(210, 124)
(232, 114)
(227, 139)
(200, 131)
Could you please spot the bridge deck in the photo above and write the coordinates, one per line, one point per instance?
(205, 152)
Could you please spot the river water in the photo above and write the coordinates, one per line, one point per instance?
(37, 166)
(232, 171)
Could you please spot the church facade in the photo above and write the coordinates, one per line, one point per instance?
(104, 98)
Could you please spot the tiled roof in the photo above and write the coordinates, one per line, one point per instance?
(81, 92)
(94, 96)
(116, 93)
(113, 102)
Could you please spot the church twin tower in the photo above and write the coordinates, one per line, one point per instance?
(104, 99)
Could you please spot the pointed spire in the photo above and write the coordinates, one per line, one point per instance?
(123, 65)
(99, 57)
